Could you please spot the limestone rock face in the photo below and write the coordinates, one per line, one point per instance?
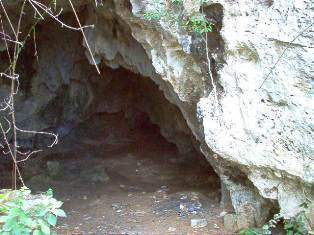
(267, 125)
(261, 129)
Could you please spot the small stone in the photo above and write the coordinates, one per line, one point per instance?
(198, 223)
(172, 229)
(183, 207)
(115, 206)
(85, 197)
(223, 213)
(230, 222)
(139, 213)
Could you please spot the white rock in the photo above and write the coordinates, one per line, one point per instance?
(198, 223)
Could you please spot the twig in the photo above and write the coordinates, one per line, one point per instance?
(209, 68)
(41, 133)
(29, 155)
(281, 55)
(55, 17)
(85, 39)
(12, 154)
(8, 18)
(210, 72)
(7, 106)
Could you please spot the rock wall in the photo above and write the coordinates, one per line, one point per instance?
(260, 131)
(268, 126)
(262, 134)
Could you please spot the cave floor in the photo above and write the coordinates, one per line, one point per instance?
(134, 183)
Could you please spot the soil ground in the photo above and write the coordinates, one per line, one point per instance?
(130, 183)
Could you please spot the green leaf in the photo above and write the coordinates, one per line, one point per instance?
(3, 219)
(37, 232)
(4, 233)
(304, 205)
(49, 193)
(59, 212)
(52, 219)
(41, 211)
(45, 228)
(22, 212)
(9, 224)
(28, 222)
(289, 232)
(288, 226)
(56, 204)
(14, 212)
(266, 227)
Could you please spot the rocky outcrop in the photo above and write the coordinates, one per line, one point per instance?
(261, 129)
(267, 124)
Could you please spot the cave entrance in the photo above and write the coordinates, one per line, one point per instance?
(126, 162)
(123, 169)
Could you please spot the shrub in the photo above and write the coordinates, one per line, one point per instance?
(196, 23)
(298, 225)
(22, 213)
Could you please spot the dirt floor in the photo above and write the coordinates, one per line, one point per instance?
(130, 183)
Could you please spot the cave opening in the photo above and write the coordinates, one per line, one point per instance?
(118, 161)
(126, 158)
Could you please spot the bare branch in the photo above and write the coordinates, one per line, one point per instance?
(7, 106)
(41, 133)
(281, 55)
(29, 155)
(8, 18)
(48, 11)
(9, 127)
(12, 154)
(85, 39)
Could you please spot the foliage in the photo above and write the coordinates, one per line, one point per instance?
(177, 1)
(155, 15)
(199, 24)
(250, 231)
(272, 223)
(196, 23)
(297, 225)
(22, 213)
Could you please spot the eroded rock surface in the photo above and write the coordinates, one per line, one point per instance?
(261, 130)
(265, 131)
